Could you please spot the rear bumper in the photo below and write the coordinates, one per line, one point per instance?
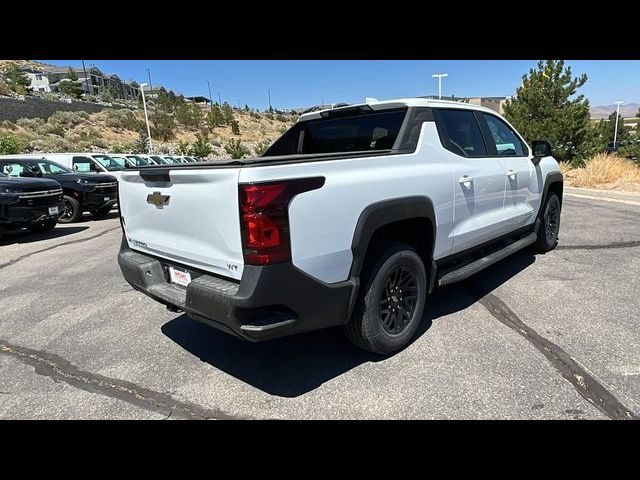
(268, 302)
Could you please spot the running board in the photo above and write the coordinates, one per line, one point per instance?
(465, 272)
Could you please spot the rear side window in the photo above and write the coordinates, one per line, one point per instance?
(504, 138)
(460, 132)
(375, 131)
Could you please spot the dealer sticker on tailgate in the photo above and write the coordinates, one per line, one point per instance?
(179, 277)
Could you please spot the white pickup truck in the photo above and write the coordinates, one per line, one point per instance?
(351, 218)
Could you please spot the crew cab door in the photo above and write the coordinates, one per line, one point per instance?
(479, 188)
(524, 181)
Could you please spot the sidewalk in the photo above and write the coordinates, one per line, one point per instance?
(607, 195)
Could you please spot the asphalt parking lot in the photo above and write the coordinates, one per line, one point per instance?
(552, 336)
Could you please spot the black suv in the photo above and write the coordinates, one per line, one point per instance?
(96, 193)
(31, 203)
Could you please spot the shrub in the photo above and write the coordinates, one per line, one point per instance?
(16, 80)
(184, 148)
(68, 119)
(34, 124)
(235, 127)
(4, 88)
(125, 119)
(255, 115)
(10, 144)
(281, 118)
(201, 147)
(7, 125)
(235, 148)
(262, 147)
(141, 145)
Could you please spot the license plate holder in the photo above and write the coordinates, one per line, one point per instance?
(54, 210)
(179, 277)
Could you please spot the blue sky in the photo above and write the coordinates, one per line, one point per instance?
(295, 83)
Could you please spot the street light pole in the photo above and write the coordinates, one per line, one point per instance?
(439, 76)
(615, 134)
(86, 79)
(146, 117)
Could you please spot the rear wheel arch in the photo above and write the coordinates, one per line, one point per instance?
(409, 220)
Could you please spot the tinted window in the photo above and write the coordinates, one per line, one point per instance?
(84, 164)
(506, 141)
(12, 169)
(356, 133)
(461, 133)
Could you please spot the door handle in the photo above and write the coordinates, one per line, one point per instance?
(512, 174)
(465, 179)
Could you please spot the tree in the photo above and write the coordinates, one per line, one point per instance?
(71, 86)
(546, 107)
(246, 107)
(227, 113)
(106, 94)
(163, 126)
(235, 148)
(605, 131)
(201, 147)
(215, 118)
(235, 127)
(17, 80)
(141, 145)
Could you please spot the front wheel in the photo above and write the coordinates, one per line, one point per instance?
(549, 225)
(391, 302)
(72, 211)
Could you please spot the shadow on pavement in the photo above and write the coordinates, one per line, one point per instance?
(24, 236)
(293, 366)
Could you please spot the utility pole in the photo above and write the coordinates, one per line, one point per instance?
(238, 100)
(219, 99)
(86, 79)
(439, 76)
(146, 117)
(269, 91)
(210, 101)
(615, 134)
(150, 84)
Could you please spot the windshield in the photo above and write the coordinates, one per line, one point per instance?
(110, 163)
(356, 132)
(15, 168)
(47, 167)
(138, 161)
(159, 160)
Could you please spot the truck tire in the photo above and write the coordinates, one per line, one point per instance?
(549, 225)
(43, 226)
(72, 211)
(101, 212)
(390, 302)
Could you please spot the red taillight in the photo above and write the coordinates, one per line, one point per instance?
(264, 218)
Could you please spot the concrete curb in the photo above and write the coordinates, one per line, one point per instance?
(628, 196)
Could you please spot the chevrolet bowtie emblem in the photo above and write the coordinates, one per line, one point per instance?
(158, 200)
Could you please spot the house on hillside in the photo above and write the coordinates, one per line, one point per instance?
(92, 80)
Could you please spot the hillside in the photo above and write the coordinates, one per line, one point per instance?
(119, 130)
(627, 111)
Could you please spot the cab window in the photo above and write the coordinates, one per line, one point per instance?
(459, 132)
(506, 142)
(84, 164)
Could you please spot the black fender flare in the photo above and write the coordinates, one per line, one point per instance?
(550, 179)
(383, 213)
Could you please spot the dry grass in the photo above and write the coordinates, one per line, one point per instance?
(604, 171)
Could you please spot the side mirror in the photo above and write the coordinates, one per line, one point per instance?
(541, 149)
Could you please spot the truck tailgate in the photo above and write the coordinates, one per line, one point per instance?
(191, 219)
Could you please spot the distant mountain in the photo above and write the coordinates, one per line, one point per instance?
(629, 110)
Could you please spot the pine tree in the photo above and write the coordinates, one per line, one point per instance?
(141, 145)
(545, 108)
(235, 127)
(235, 148)
(605, 131)
(201, 147)
(17, 81)
(70, 85)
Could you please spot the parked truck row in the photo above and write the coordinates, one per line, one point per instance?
(39, 190)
